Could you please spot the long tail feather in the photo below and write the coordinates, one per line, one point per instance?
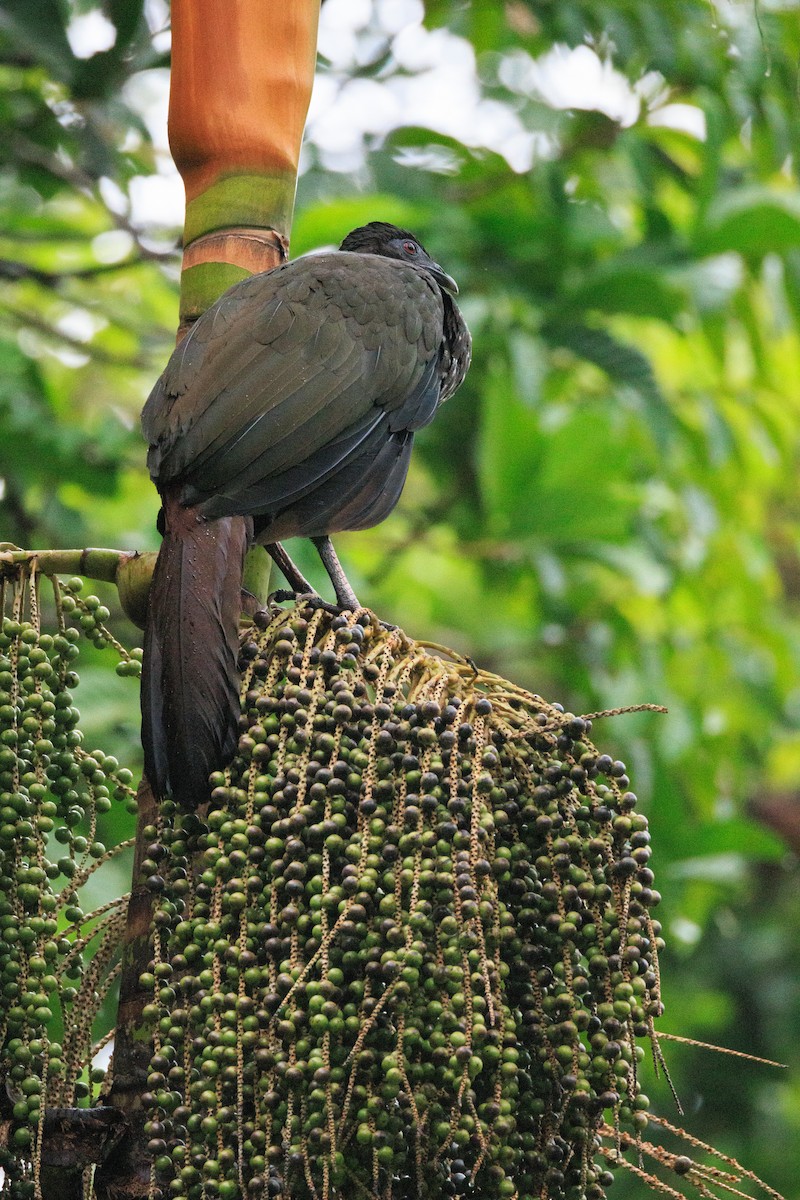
(190, 678)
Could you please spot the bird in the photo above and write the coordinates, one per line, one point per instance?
(289, 410)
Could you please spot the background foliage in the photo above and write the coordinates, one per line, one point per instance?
(608, 513)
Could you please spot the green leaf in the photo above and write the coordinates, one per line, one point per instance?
(508, 449)
(624, 288)
(753, 221)
(412, 152)
(36, 449)
(37, 28)
(97, 77)
(623, 363)
(714, 843)
(554, 487)
(126, 15)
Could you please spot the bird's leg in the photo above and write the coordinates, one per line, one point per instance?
(296, 580)
(341, 585)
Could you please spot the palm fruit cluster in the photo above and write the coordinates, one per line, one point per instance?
(56, 961)
(409, 950)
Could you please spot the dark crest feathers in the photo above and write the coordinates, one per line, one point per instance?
(370, 238)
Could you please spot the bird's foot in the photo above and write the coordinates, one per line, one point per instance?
(309, 599)
(281, 595)
(294, 577)
(313, 600)
(341, 584)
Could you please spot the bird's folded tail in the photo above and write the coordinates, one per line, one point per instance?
(190, 677)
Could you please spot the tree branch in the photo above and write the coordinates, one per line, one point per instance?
(130, 570)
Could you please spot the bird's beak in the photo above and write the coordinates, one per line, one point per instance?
(445, 281)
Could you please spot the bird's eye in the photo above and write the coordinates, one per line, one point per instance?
(409, 247)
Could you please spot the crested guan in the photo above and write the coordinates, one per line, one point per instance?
(290, 409)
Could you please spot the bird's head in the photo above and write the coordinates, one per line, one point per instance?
(381, 238)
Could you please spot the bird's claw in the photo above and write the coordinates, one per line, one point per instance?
(281, 595)
(314, 600)
(309, 599)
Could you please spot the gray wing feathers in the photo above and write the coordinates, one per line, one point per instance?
(288, 365)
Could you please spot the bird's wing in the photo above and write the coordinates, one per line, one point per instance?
(295, 366)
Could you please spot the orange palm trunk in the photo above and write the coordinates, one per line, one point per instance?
(242, 73)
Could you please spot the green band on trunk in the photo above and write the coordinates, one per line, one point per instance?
(205, 283)
(252, 200)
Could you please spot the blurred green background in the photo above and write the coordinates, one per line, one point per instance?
(607, 513)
